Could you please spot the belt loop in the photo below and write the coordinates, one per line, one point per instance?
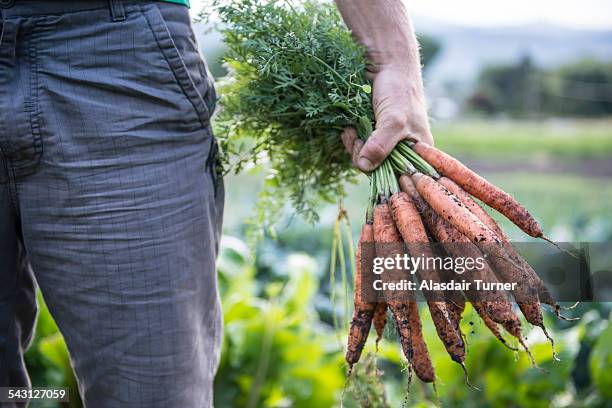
(117, 10)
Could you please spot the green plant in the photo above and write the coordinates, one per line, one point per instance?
(271, 355)
(296, 80)
(48, 360)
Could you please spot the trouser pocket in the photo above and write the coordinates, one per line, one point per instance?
(171, 27)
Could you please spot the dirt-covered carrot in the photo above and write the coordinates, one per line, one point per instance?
(534, 280)
(495, 306)
(455, 305)
(364, 311)
(447, 327)
(494, 302)
(472, 205)
(449, 207)
(408, 221)
(386, 237)
(380, 320)
(491, 325)
(455, 212)
(421, 361)
(455, 301)
(480, 188)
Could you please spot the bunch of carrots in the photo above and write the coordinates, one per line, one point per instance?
(296, 79)
(421, 192)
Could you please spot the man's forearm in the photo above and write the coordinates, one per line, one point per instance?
(384, 28)
(394, 66)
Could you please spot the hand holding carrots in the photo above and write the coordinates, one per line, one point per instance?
(440, 205)
(394, 69)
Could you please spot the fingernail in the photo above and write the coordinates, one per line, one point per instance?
(365, 163)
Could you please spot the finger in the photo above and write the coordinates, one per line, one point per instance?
(349, 135)
(428, 138)
(357, 146)
(423, 136)
(377, 147)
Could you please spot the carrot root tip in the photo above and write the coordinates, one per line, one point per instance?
(467, 378)
(570, 307)
(552, 344)
(567, 319)
(505, 343)
(573, 255)
(529, 354)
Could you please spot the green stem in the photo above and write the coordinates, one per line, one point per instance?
(332, 277)
(404, 164)
(379, 176)
(331, 69)
(344, 281)
(398, 167)
(393, 185)
(385, 178)
(371, 201)
(417, 160)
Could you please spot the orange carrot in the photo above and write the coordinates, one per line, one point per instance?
(480, 188)
(408, 221)
(364, 311)
(491, 325)
(534, 280)
(495, 304)
(385, 235)
(449, 207)
(380, 320)
(421, 361)
(495, 301)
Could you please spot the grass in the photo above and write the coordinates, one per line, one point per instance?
(511, 139)
(569, 207)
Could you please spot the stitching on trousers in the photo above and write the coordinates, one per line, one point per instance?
(181, 71)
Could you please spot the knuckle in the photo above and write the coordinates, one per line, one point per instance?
(375, 149)
(395, 119)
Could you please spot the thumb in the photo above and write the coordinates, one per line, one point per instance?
(377, 147)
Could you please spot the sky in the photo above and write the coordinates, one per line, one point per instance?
(583, 14)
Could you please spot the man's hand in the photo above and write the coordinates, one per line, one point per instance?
(384, 28)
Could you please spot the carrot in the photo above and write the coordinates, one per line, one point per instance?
(533, 280)
(449, 207)
(408, 221)
(454, 211)
(491, 325)
(543, 293)
(525, 294)
(364, 311)
(455, 305)
(385, 233)
(421, 361)
(448, 331)
(495, 302)
(380, 320)
(480, 188)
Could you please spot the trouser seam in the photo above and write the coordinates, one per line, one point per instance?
(12, 187)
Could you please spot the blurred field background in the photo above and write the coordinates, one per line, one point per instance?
(535, 121)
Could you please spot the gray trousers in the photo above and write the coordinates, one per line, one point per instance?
(109, 198)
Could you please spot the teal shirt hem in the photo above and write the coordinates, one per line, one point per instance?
(183, 2)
